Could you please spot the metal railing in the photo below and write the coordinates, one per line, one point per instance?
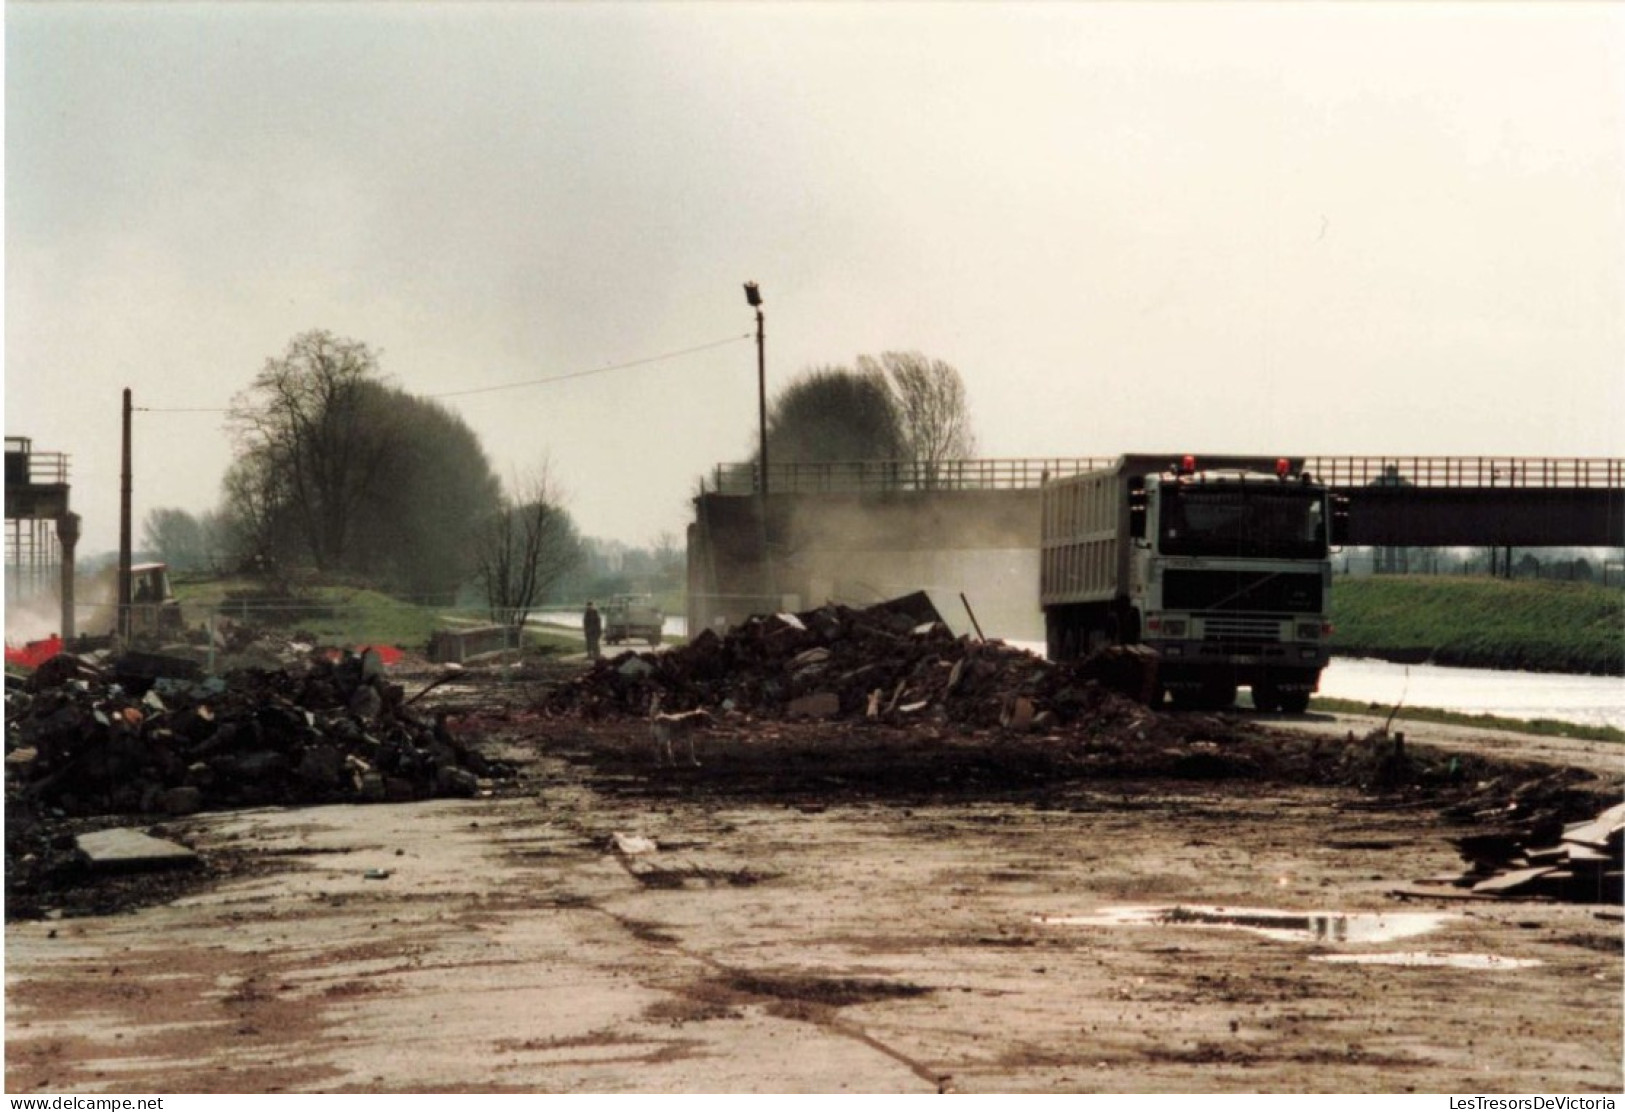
(1468, 471)
(863, 476)
(38, 468)
(875, 476)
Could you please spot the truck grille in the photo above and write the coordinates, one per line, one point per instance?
(1243, 630)
(1255, 591)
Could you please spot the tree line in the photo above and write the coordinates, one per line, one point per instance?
(900, 405)
(338, 471)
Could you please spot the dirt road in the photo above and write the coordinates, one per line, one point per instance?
(829, 909)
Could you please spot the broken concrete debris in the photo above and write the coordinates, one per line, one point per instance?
(1583, 866)
(893, 661)
(149, 738)
(631, 845)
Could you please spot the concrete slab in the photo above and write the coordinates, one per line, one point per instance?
(126, 849)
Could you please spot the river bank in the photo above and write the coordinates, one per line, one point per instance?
(1475, 622)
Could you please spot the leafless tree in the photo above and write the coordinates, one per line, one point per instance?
(339, 470)
(833, 414)
(254, 507)
(184, 541)
(928, 397)
(312, 420)
(526, 547)
(669, 554)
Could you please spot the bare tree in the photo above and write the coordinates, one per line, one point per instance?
(254, 506)
(928, 397)
(337, 469)
(526, 547)
(313, 417)
(669, 553)
(833, 414)
(184, 541)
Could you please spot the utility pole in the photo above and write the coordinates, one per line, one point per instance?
(124, 531)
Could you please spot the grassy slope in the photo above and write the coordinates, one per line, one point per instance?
(1529, 624)
(343, 615)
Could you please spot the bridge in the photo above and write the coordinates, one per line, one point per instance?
(41, 530)
(857, 531)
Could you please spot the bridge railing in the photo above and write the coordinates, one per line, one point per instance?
(876, 476)
(1467, 471)
(873, 476)
(24, 465)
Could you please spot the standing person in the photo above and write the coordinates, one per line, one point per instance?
(592, 624)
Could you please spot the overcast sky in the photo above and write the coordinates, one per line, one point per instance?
(1320, 229)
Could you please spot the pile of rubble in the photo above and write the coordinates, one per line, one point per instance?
(895, 662)
(1581, 863)
(150, 735)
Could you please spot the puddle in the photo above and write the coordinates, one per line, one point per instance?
(1285, 926)
(1452, 961)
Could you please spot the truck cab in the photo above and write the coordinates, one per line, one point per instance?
(1231, 581)
(1222, 569)
(633, 617)
(154, 610)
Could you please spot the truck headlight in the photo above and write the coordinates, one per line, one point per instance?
(1173, 627)
(1308, 631)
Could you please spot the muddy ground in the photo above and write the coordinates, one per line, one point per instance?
(844, 907)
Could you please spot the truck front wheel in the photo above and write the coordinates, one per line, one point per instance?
(1294, 702)
(1217, 695)
(1266, 696)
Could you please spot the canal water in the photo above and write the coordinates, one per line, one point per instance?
(1588, 700)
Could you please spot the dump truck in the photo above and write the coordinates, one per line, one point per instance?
(629, 617)
(1219, 566)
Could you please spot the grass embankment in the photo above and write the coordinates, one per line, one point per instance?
(338, 614)
(1529, 624)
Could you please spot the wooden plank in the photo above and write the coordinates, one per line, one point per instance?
(1447, 880)
(1513, 881)
(1405, 894)
(1578, 852)
(1550, 856)
(1599, 832)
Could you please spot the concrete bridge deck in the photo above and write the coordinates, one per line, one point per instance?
(857, 530)
(1393, 500)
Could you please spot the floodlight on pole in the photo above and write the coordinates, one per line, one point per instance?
(753, 297)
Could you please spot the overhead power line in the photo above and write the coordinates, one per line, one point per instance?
(513, 385)
(593, 371)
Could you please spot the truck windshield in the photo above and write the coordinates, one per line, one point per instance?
(1251, 520)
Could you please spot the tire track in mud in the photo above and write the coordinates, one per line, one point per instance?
(792, 998)
(796, 999)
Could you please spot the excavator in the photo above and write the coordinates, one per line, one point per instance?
(154, 610)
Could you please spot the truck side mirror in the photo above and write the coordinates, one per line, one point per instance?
(1137, 501)
(1340, 520)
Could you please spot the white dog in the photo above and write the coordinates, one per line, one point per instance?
(669, 728)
